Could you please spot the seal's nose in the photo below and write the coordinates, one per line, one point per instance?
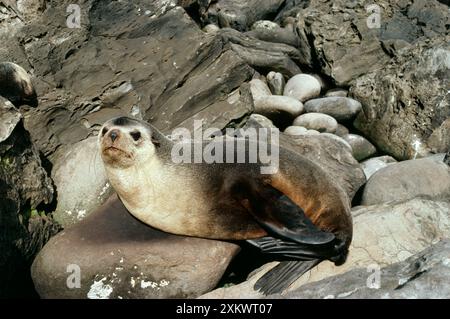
(114, 135)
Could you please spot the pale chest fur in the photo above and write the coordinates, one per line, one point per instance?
(161, 196)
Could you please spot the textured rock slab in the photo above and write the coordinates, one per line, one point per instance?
(119, 257)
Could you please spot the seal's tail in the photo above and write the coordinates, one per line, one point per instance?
(283, 275)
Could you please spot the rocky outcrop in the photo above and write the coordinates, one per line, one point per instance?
(24, 188)
(421, 276)
(348, 40)
(406, 105)
(116, 256)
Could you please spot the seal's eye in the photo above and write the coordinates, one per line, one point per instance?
(136, 135)
(104, 131)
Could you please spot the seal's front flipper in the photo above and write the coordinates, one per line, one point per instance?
(283, 275)
(278, 214)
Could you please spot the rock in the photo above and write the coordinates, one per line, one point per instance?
(341, 108)
(81, 182)
(257, 121)
(273, 105)
(421, 276)
(211, 28)
(16, 85)
(405, 228)
(295, 130)
(336, 93)
(374, 164)
(409, 179)
(259, 89)
(341, 130)
(302, 87)
(120, 257)
(406, 105)
(317, 121)
(347, 42)
(271, 32)
(240, 15)
(276, 83)
(362, 148)
(338, 139)
(24, 186)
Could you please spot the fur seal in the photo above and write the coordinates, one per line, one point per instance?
(16, 86)
(296, 214)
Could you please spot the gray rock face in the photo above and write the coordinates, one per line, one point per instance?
(348, 42)
(405, 180)
(336, 93)
(80, 181)
(24, 185)
(272, 32)
(422, 276)
(362, 148)
(374, 164)
(240, 15)
(120, 257)
(383, 235)
(406, 105)
(302, 87)
(317, 121)
(341, 108)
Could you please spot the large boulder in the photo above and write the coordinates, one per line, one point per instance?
(347, 41)
(406, 180)
(117, 256)
(406, 105)
(24, 189)
(80, 181)
(382, 235)
(421, 276)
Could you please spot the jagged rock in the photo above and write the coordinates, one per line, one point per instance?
(347, 41)
(406, 105)
(24, 188)
(341, 108)
(120, 257)
(302, 87)
(81, 182)
(317, 121)
(383, 235)
(408, 179)
(361, 147)
(271, 32)
(421, 276)
(276, 82)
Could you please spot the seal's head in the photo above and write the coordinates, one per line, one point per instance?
(16, 86)
(125, 142)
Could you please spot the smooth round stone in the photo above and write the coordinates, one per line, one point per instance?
(211, 28)
(276, 104)
(362, 148)
(372, 165)
(259, 89)
(341, 130)
(265, 24)
(276, 82)
(336, 93)
(339, 139)
(341, 108)
(258, 120)
(295, 130)
(302, 87)
(317, 121)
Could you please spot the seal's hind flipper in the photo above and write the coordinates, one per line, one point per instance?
(283, 275)
(278, 214)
